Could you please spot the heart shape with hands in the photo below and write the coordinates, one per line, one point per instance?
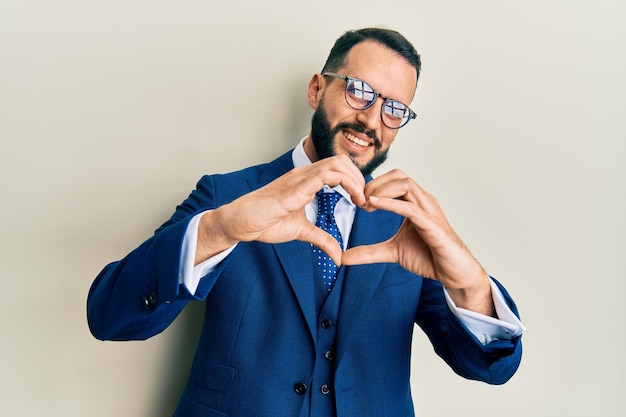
(425, 244)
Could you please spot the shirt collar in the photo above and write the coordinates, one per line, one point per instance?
(301, 159)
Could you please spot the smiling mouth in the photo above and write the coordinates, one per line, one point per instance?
(355, 140)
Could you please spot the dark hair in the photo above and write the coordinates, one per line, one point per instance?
(387, 37)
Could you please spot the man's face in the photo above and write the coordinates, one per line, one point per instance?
(337, 128)
(323, 137)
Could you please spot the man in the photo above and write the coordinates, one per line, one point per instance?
(283, 336)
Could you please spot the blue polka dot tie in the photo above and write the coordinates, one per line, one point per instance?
(326, 203)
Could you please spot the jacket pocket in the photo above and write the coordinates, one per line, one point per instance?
(206, 386)
(188, 408)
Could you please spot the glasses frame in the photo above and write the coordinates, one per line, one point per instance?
(348, 79)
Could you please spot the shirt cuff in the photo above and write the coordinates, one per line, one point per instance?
(189, 274)
(485, 328)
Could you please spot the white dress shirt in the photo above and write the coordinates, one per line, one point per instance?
(485, 328)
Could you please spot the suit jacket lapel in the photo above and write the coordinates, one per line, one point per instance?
(361, 281)
(295, 257)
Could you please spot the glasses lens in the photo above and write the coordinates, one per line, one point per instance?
(394, 113)
(359, 94)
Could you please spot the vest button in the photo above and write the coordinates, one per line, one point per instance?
(300, 388)
(326, 324)
(328, 355)
(325, 389)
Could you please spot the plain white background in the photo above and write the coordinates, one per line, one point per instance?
(111, 111)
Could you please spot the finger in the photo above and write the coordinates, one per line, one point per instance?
(396, 184)
(383, 181)
(342, 171)
(400, 207)
(333, 171)
(369, 254)
(295, 189)
(420, 218)
(318, 237)
(432, 227)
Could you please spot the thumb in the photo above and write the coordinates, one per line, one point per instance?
(320, 238)
(368, 254)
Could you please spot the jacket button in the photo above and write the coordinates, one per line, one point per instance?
(328, 355)
(300, 388)
(326, 324)
(150, 300)
(325, 389)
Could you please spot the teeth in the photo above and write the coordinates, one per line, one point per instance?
(356, 140)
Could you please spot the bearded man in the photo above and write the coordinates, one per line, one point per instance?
(314, 273)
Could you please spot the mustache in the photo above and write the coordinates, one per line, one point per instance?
(358, 127)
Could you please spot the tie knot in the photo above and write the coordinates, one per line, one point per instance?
(326, 202)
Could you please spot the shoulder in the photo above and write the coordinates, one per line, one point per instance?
(259, 173)
(223, 188)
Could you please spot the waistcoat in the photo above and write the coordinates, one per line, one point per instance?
(321, 394)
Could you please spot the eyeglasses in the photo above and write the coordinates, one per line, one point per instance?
(360, 96)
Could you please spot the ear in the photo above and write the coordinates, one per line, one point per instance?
(315, 91)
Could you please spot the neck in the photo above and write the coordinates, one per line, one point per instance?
(309, 149)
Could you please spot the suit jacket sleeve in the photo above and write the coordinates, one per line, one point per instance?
(493, 363)
(140, 295)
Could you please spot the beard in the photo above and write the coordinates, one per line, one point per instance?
(322, 136)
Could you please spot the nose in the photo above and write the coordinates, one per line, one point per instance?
(370, 117)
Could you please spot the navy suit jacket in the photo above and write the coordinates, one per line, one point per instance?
(258, 346)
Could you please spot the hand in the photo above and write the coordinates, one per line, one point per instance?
(425, 244)
(275, 213)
